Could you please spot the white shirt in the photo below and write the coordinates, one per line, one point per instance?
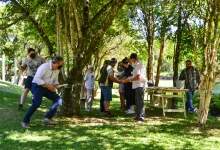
(45, 75)
(89, 80)
(139, 70)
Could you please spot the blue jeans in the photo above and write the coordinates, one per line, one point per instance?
(189, 100)
(38, 93)
(107, 93)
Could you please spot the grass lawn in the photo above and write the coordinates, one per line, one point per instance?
(94, 131)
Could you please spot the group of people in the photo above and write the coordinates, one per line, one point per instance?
(42, 81)
(131, 79)
(130, 76)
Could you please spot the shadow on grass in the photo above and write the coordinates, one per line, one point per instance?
(93, 130)
(106, 136)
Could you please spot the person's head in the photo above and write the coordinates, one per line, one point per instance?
(120, 66)
(133, 58)
(125, 62)
(113, 62)
(31, 53)
(106, 63)
(57, 62)
(188, 64)
(90, 68)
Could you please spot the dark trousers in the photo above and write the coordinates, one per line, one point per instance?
(129, 97)
(102, 108)
(189, 100)
(38, 93)
(139, 100)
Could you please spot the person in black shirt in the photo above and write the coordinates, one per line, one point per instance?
(129, 92)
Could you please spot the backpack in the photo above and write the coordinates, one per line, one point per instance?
(103, 75)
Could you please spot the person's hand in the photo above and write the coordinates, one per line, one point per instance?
(125, 81)
(51, 88)
(121, 81)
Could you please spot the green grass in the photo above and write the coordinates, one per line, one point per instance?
(95, 131)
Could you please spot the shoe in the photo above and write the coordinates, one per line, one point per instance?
(24, 125)
(47, 121)
(108, 113)
(139, 119)
(193, 111)
(130, 111)
(20, 107)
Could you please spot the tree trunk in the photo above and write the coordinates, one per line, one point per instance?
(150, 25)
(160, 59)
(210, 53)
(71, 105)
(177, 49)
(3, 67)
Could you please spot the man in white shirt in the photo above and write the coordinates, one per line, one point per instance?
(138, 84)
(44, 84)
(89, 80)
(30, 65)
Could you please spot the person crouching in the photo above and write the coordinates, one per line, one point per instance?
(44, 84)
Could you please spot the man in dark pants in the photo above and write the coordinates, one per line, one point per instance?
(192, 80)
(44, 84)
(138, 84)
(129, 92)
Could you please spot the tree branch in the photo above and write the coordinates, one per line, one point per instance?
(5, 26)
(39, 28)
(101, 11)
(98, 33)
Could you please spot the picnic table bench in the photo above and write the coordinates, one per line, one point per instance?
(165, 95)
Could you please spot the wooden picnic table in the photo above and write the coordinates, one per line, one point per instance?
(165, 96)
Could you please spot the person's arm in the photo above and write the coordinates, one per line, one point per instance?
(182, 75)
(112, 78)
(84, 81)
(132, 78)
(56, 85)
(23, 65)
(198, 80)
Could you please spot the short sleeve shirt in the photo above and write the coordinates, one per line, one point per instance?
(139, 70)
(32, 65)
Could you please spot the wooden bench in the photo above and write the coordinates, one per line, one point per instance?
(165, 95)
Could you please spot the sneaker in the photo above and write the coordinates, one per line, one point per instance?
(139, 119)
(20, 107)
(193, 111)
(47, 121)
(130, 111)
(24, 125)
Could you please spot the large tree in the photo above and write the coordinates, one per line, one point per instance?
(211, 45)
(86, 27)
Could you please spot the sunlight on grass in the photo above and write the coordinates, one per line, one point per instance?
(93, 130)
(3, 85)
(28, 137)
